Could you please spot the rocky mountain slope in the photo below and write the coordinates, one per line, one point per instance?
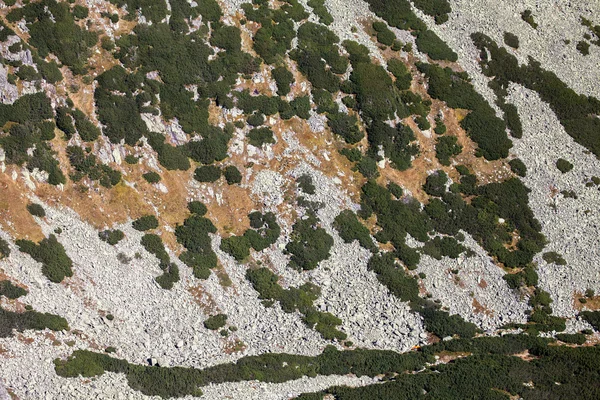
(299, 199)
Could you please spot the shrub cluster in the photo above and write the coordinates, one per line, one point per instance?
(563, 165)
(20, 322)
(309, 245)
(4, 249)
(215, 322)
(10, 291)
(482, 125)
(154, 245)
(446, 147)
(489, 365)
(296, 299)
(350, 229)
(85, 165)
(575, 112)
(145, 223)
(111, 236)
(52, 29)
(518, 167)
(152, 177)
(264, 233)
(193, 235)
(36, 210)
(56, 264)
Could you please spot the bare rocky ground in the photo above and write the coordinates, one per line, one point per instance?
(570, 225)
(168, 325)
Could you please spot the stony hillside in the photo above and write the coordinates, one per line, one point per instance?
(299, 199)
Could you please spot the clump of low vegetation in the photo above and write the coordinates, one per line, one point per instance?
(193, 236)
(232, 175)
(552, 257)
(350, 229)
(446, 147)
(56, 264)
(511, 40)
(563, 165)
(305, 183)
(151, 177)
(296, 299)
(215, 322)
(36, 210)
(527, 16)
(518, 167)
(4, 249)
(145, 223)
(309, 245)
(11, 291)
(111, 236)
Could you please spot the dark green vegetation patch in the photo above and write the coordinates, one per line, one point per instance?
(56, 264)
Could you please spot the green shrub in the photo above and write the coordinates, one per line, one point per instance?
(482, 125)
(428, 42)
(353, 154)
(321, 11)
(56, 264)
(197, 207)
(111, 237)
(283, 79)
(145, 223)
(368, 167)
(232, 175)
(207, 173)
(20, 322)
(442, 324)
(36, 210)
(256, 119)
(309, 244)
(395, 189)
(575, 338)
(175, 158)
(154, 245)
(593, 317)
(27, 73)
(394, 278)
(563, 165)
(401, 73)
(346, 126)
(384, 35)
(151, 177)
(527, 16)
(444, 246)
(296, 299)
(305, 183)
(446, 147)
(324, 101)
(215, 322)
(511, 40)
(193, 235)
(86, 165)
(11, 291)
(4, 249)
(52, 29)
(518, 167)
(236, 246)
(552, 257)
(435, 184)
(86, 129)
(131, 159)
(259, 136)
(582, 46)
(575, 112)
(350, 229)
